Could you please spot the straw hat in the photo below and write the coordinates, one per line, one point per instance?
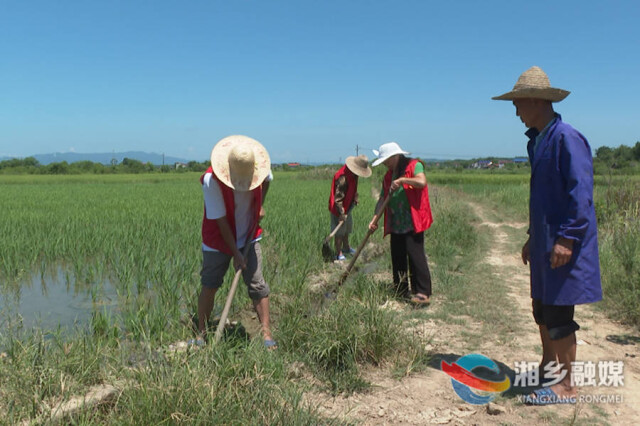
(534, 83)
(359, 165)
(240, 162)
(387, 150)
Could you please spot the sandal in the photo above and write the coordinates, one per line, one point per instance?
(270, 344)
(546, 396)
(420, 299)
(196, 343)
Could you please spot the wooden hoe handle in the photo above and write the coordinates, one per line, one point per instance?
(234, 285)
(326, 240)
(375, 219)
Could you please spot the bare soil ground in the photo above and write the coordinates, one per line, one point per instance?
(428, 398)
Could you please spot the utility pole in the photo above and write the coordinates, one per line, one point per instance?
(357, 150)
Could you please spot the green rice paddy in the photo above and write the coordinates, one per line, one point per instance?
(125, 252)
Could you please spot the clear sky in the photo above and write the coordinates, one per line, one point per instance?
(311, 80)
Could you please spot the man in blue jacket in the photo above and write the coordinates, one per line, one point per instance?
(562, 249)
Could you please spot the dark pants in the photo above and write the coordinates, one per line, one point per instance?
(410, 245)
(557, 318)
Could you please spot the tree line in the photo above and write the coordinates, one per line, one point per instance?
(31, 165)
(623, 159)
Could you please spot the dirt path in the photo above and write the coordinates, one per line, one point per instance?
(428, 398)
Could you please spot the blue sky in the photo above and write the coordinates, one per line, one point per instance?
(311, 80)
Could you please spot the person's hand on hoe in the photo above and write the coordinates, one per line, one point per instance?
(239, 261)
(395, 184)
(373, 225)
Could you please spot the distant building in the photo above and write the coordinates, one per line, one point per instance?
(179, 165)
(520, 160)
(482, 164)
(293, 164)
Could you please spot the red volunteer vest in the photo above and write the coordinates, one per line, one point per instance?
(418, 201)
(352, 187)
(211, 234)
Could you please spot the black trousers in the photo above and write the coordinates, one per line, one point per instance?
(557, 318)
(411, 246)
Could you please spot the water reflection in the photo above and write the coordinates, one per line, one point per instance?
(52, 301)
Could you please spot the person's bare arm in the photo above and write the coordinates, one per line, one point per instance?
(227, 236)
(373, 225)
(265, 188)
(339, 195)
(418, 181)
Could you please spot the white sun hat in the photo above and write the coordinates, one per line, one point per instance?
(387, 150)
(240, 162)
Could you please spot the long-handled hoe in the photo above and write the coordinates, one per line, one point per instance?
(375, 219)
(234, 285)
(327, 253)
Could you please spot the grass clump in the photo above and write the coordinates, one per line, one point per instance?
(617, 211)
(345, 334)
(229, 383)
(38, 372)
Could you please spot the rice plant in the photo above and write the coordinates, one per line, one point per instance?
(132, 244)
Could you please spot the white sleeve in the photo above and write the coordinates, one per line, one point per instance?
(269, 177)
(213, 201)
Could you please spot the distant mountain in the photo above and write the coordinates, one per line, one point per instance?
(106, 158)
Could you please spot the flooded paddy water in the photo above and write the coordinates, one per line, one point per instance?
(54, 302)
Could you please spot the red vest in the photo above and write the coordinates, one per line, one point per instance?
(211, 234)
(352, 188)
(418, 201)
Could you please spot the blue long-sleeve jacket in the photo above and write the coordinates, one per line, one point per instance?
(561, 205)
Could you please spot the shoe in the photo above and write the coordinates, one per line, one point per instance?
(420, 299)
(270, 344)
(350, 251)
(341, 257)
(331, 295)
(196, 343)
(546, 396)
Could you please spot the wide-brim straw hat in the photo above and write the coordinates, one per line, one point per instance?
(534, 83)
(359, 165)
(240, 162)
(387, 150)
